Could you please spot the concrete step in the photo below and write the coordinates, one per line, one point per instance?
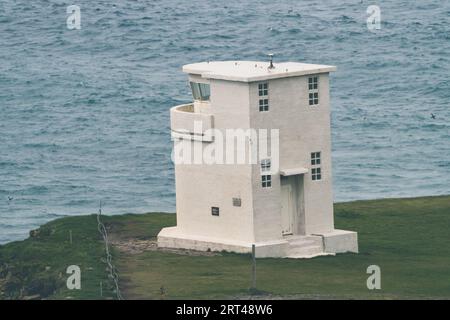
(306, 250)
(305, 240)
(305, 246)
(302, 243)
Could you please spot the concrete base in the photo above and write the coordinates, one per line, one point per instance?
(172, 238)
(339, 241)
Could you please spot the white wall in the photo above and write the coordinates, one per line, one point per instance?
(200, 187)
(303, 129)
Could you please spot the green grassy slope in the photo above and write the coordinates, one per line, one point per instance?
(408, 238)
(38, 264)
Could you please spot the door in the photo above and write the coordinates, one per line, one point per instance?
(287, 209)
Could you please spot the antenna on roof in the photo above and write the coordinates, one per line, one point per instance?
(271, 61)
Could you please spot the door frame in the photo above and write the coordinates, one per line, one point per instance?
(286, 191)
(297, 218)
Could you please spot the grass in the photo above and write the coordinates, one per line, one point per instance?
(408, 238)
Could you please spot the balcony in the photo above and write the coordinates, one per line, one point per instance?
(185, 123)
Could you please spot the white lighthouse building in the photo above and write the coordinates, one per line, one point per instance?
(280, 200)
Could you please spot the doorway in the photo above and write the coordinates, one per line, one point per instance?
(292, 204)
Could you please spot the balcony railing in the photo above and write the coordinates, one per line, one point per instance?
(187, 124)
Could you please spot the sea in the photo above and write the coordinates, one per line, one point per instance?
(84, 112)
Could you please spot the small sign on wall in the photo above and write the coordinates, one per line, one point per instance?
(237, 202)
(215, 211)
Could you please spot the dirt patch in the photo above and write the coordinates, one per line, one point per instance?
(135, 246)
(138, 246)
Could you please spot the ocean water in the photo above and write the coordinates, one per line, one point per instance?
(84, 113)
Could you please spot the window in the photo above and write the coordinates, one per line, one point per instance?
(215, 211)
(200, 91)
(313, 90)
(316, 174)
(266, 178)
(266, 181)
(195, 90)
(313, 83)
(263, 89)
(313, 98)
(263, 105)
(263, 92)
(265, 165)
(315, 158)
(204, 91)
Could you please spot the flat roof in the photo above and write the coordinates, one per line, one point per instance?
(249, 71)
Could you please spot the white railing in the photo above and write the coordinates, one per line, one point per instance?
(187, 124)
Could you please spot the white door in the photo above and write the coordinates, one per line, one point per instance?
(286, 209)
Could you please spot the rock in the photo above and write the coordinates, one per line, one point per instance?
(41, 232)
(34, 233)
(33, 297)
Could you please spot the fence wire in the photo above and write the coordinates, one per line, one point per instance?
(112, 270)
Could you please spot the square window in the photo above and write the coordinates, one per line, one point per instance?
(313, 98)
(215, 211)
(263, 89)
(266, 181)
(315, 158)
(263, 105)
(313, 83)
(237, 202)
(265, 165)
(313, 87)
(316, 174)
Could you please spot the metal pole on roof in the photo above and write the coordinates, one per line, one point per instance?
(271, 61)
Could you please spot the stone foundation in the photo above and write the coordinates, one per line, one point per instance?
(172, 238)
(338, 241)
